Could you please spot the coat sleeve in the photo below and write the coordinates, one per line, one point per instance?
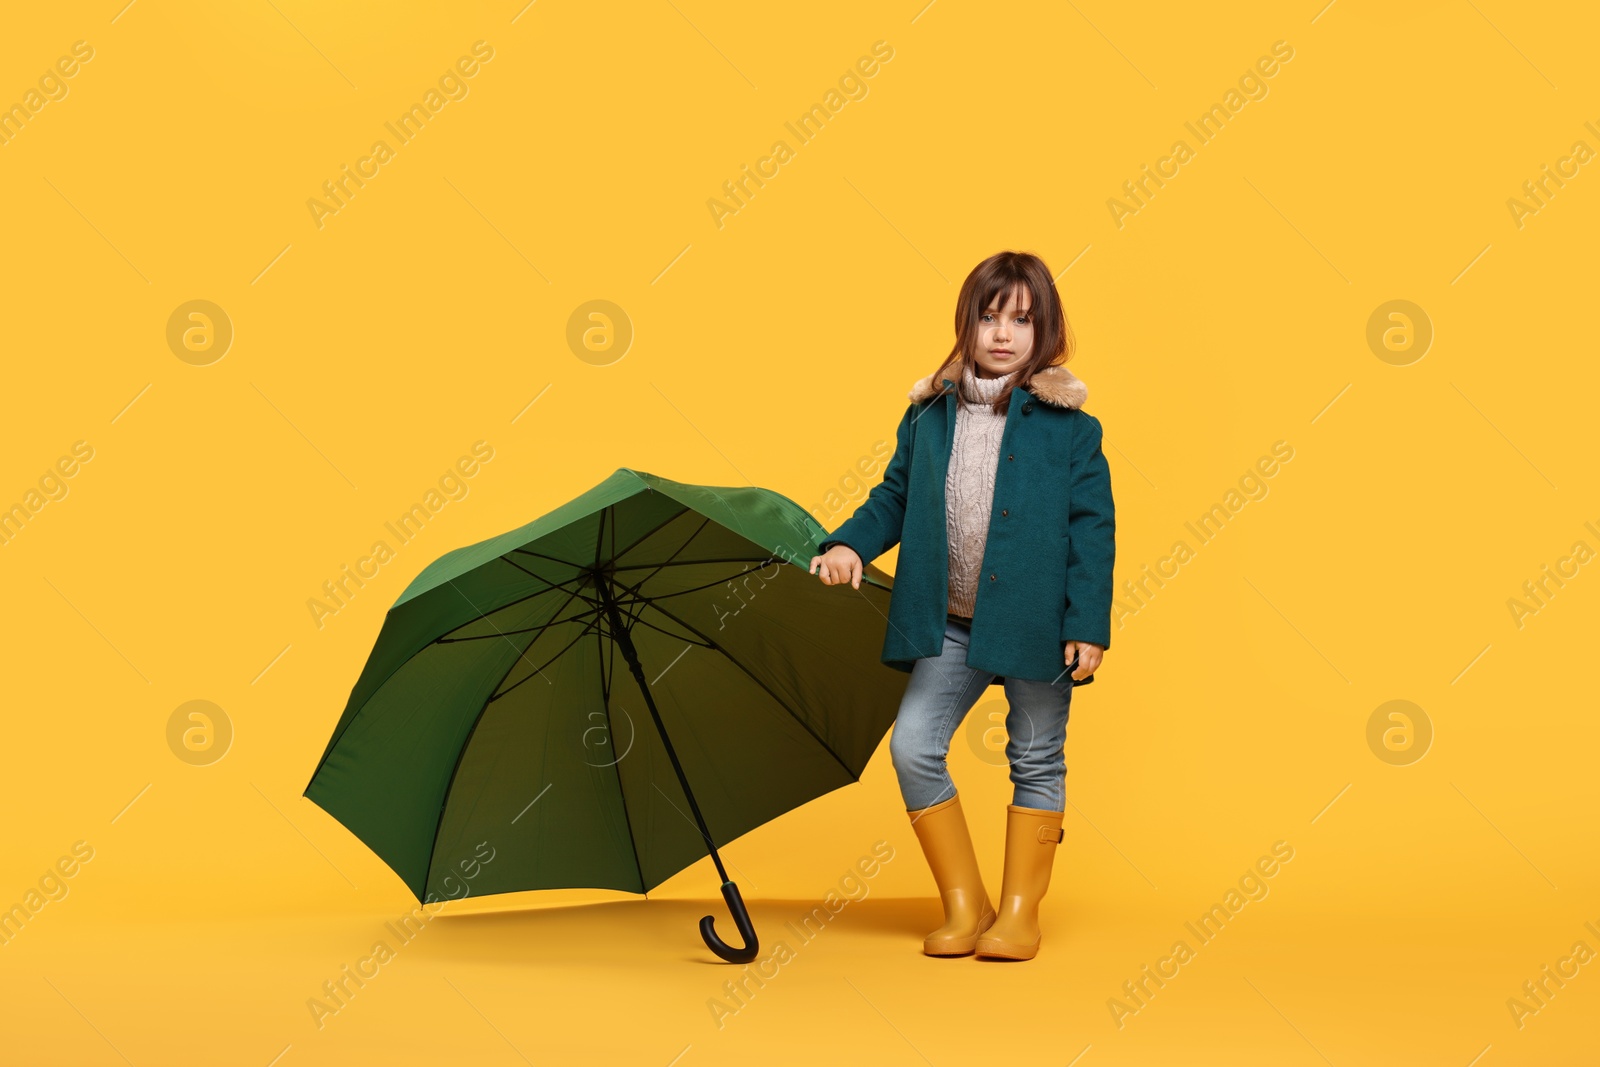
(877, 524)
(1091, 541)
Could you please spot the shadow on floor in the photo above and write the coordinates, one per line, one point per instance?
(623, 930)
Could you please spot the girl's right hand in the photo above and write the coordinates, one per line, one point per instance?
(838, 565)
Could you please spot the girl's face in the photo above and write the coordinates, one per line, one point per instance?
(1005, 335)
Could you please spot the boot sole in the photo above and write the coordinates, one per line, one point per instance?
(959, 948)
(946, 952)
(1003, 952)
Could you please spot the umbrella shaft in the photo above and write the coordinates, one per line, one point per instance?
(625, 639)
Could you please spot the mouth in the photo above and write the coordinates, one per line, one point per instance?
(1000, 352)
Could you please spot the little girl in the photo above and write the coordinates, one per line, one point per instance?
(1000, 498)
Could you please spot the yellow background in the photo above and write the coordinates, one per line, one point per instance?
(1230, 312)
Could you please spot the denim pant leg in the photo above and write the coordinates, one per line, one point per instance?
(941, 691)
(1036, 734)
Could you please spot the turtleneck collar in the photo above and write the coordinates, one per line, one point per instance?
(983, 390)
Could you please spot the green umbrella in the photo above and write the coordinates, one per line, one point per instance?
(553, 692)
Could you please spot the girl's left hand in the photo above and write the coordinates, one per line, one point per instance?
(1088, 658)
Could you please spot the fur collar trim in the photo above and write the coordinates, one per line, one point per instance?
(1054, 385)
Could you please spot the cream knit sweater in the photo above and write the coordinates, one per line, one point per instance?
(969, 484)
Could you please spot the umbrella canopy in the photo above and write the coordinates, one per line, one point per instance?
(608, 693)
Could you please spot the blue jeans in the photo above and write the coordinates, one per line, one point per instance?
(942, 690)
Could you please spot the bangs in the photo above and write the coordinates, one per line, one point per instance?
(999, 288)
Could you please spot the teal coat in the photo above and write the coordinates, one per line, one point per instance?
(1046, 576)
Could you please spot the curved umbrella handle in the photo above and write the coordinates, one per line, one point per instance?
(741, 919)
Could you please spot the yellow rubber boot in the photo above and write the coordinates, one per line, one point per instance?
(942, 831)
(1032, 835)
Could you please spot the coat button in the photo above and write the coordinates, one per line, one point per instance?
(1004, 511)
(1010, 457)
(1027, 407)
(991, 577)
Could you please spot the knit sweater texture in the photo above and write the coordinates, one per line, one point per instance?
(969, 484)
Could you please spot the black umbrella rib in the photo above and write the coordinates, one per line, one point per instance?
(574, 594)
(632, 591)
(333, 743)
(642, 538)
(593, 624)
(697, 588)
(696, 562)
(515, 630)
(500, 633)
(541, 627)
(674, 517)
(768, 689)
(444, 802)
(637, 566)
(541, 555)
(579, 577)
(668, 562)
(549, 587)
(655, 568)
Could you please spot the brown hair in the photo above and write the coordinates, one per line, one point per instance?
(999, 274)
